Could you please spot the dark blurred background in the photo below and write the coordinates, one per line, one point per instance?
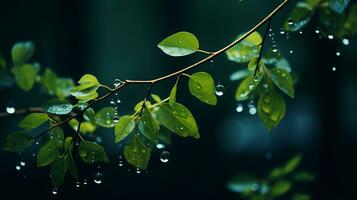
(117, 39)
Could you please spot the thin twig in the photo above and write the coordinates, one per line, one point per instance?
(262, 47)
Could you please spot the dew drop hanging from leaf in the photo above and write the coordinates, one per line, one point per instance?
(10, 110)
(165, 156)
(98, 178)
(219, 90)
(239, 107)
(345, 41)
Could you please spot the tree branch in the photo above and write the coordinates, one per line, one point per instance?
(162, 78)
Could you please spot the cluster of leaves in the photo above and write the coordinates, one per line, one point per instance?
(333, 20)
(278, 184)
(266, 83)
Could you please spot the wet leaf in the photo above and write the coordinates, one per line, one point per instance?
(179, 44)
(17, 142)
(283, 80)
(298, 17)
(33, 120)
(104, 117)
(148, 125)
(58, 171)
(246, 49)
(271, 108)
(25, 76)
(52, 149)
(91, 152)
(124, 127)
(247, 86)
(201, 85)
(21, 52)
(57, 106)
(338, 5)
(137, 153)
(280, 188)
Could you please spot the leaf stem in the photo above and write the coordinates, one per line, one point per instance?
(262, 47)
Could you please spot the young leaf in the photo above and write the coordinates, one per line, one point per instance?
(179, 44)
(17, 142)
(124, 127)
(178, 119)
(303, 176)
(49, 81)
(298, 17)
(85, 92)
(172, 97)
(201, 85)
(21, 52)
(63, 87)
(280, 188)
(33, 120)
(25, 76)
(138, 106)
(57, 107)
(148, 126)
(271, 108)
(137, 153)
(58, 171)
(91, 152)
(283, 80)
(86, 127)
(104, 117)
(247, 86)
(246, 49)
(156, 98)
(88, 79)
(292, 164)
(52, 149)
(338, 5)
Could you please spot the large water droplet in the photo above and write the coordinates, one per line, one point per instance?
(160, 146)
(290, 22)
(345, 41)
(333, 68)
(22, 163)
(239, 107)
(219, 90)
(291, 51)
(115, 119)
(274, 48)
(85, 182)
(54, 191)
(18, 167)
(282, 31)
(252, 110)
(78, 184)
(317, 30)
(338, 53)
(10, 110)
(98, 178)
(330, 37)
(165, 156)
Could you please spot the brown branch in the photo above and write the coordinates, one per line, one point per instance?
(154, 81)
(23, 111)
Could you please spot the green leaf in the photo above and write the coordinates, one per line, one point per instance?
(298, 17)
(179, 44)
(21, 52)
(303, 177)
(246, 49)
(57, 106)
(172, 97)
(240, 74)
(271, 108)
(85, 92)
(178, 119)
(3, 65)
(88, 79)
(33, 120)
(247, 86)
(148, 125)
(91, 152)
(283, 80)
(52, 149)
(156, 98)
(138, 106)
(63, 87)
(338, 5)
(86, 127)
(277, 60)
(280, 188)
(301, 196)
(58, 171)
(124, 127)
(25, 76)
(49, 81)
(104, 117)
(17, 142)
(201, 85)
(277, 172)
(71, 165)
(137, 153)
(241, 183)
(292, 164)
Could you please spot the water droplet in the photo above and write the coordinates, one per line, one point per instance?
(117, 82)
(345, 41)
(138, 170)
(78, 184)
(160, 146)
(18, 167)
(254, 187)
(333, 68)
(211, 61)
(10, 110)
(290, 22)
(115, 119)
(252, 110)
(118, 101)
(121, 163)
(282, 31)
(54, 191)
(112, 102)
(99, 140)
(330, 37)
(265, 86)
(300, 32)
(164, 156)
(274, 48)
(317, 30)
(37, 143)
(98, 178)
(291, 51)
(338, 53)
(85, 182)
(250, 104)
(219, 90)
(239, 107)
(22, 163)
